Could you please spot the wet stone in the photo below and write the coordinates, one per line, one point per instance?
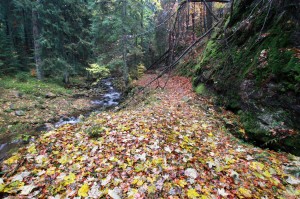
(20, 113)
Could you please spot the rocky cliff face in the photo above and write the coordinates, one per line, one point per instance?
(252, 61)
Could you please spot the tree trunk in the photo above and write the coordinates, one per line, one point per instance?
(193, 21)
(231, 10)
(37, 45)
(209, 15)
(26, 36)
(142, 22)
(188, 15)
(125, 68)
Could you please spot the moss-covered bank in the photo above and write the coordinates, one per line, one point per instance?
(252, 60)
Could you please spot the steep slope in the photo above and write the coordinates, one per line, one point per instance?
(252, 60)
(172, 145)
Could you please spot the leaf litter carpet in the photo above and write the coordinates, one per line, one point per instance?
(164, 144)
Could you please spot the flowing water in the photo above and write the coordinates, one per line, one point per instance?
(109, 99)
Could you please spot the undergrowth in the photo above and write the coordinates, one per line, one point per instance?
(30, 85)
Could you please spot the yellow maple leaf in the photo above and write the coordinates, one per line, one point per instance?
(48, 134)
(13, 187)
(267, 174)
(182, 183)
(242, 131)
(140, 183)
(245, 192)
(204, 197)
(2, 187)
(157, 161)
(123, 166)
(32, 149)
(259, 175)
(130, 162)
(51, 171)
(192, 193)
(257, 165)
(151, 180)
(83, 191)
(69, 179)
(135, 180)
(151, 189)
(12, 160)
(64, 159)
(139, 168)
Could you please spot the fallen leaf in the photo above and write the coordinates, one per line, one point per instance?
(114, 193)
(293, 180)
(257, 166)
(222, 192)
(27, 189)
(182, 183)
(83, 191)
(192, 193)
(12, 160)
(245, 192)
(151, 189)
(190, 172)
(20, 176)
(32, 149)
(69, 179)
(95, 191)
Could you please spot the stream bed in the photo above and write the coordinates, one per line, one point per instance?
(110, 98)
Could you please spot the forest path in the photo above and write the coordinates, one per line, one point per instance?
(169, 143)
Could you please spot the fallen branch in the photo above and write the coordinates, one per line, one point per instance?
(171, 66)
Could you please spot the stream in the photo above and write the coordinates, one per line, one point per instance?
(111, 98)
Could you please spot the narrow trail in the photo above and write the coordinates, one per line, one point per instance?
(169, 143)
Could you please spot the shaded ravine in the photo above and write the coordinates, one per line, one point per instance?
(110, 99)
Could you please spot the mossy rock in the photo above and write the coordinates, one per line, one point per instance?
(260, 127)
(226, 64)
(200, 89)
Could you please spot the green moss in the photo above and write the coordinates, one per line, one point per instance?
(254, 131)
(30, 85)
(281, 62)
(210, 52)
(226, 66)
(197, 67)
(200, 89)
(292, 71)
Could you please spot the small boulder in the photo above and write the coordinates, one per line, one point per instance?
(50, 95)
(20, 113)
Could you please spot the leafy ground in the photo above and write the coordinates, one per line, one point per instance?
(168, 144)
(28, 95)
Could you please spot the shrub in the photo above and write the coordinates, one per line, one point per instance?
(141, 70)
(22, 77)
(95, 131)
(98, 71)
